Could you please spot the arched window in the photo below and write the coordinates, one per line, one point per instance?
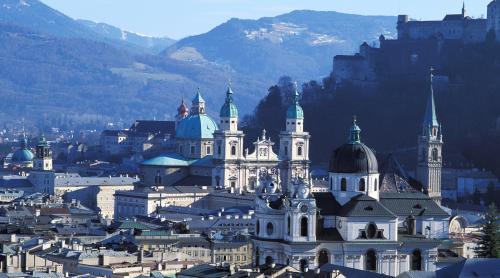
(434, 154)
(371, 230)
(299, 150)
(257, 227)
(269, 260)
(343, 184)
(209, 150)
(233, 150)
(269, 228)
(303, 265)
(303, 226)
(322, 257)
(416, 260)
(289, 224)
(362, 185)
(219, 151)
(286, 150)
(371, 260)
(375, 185)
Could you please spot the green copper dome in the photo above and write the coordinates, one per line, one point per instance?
(294, 111)
(23, 154)
(196, 126)
(228, 109)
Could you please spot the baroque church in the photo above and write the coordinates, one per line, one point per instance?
(356, 222)
(214, 150)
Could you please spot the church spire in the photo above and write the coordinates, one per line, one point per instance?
(430, 118)
(463, 8)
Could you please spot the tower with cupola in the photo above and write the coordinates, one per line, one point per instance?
(430, 145)
(42, 176)
(182, 112)
(228, 148)
(294, 145)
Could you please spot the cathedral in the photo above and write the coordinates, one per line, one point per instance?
(355, 222)
(210, 149)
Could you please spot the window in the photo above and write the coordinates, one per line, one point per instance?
(286, 150)
(303, 265)
(371, 261)
(269, 260)
(270, 229)
(219, 150)
(209, 150)
(180, 149)
(233, 150)
(434, 154)
(192, 149)
(375, 185)
(322, 257)
(303, 226)
(362, 185)
(299, 151)
(416, 260)
(343, 184)
(371, 230)
(288, 222)
(257, 228)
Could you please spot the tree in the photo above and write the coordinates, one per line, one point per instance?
(490, 194)
(476, 197)
(489, 244)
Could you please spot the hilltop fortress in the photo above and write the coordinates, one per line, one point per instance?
(419, 45)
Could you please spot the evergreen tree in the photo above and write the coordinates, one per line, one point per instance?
(489, 244)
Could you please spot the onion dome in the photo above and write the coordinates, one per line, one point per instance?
(23, 155)
(228, 109)
(294, 111)
(183, 109)
(354, 156)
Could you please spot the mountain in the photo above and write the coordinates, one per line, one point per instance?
(68, 81)
(33, 14)
(300, 44)
(155, 44)
(57, 71)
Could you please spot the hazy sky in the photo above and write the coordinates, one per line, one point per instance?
(180, 18)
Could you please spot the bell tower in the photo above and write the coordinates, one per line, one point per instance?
(228, 148)
(43, 156)
(294, 145)
(42, 176)
(430, 144)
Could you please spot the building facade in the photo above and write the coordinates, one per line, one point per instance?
(351, 224)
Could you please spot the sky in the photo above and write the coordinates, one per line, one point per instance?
(181, 18)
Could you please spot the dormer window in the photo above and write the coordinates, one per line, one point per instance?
(362, 185)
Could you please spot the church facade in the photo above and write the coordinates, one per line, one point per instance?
(353, 224)
(213, 151)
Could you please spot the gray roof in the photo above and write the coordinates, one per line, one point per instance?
(326, 203)
(351, 272)
(77, 180)
(415, 203)
(362, 206)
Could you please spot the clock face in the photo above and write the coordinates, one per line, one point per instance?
(340, 224)
(304, 208)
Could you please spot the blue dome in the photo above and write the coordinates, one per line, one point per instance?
(22, 155)
(295, 112)
(196, 126)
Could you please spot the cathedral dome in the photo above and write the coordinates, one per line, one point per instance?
(196, 126)
(23, 155)
(228, 109)
(354, 156)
